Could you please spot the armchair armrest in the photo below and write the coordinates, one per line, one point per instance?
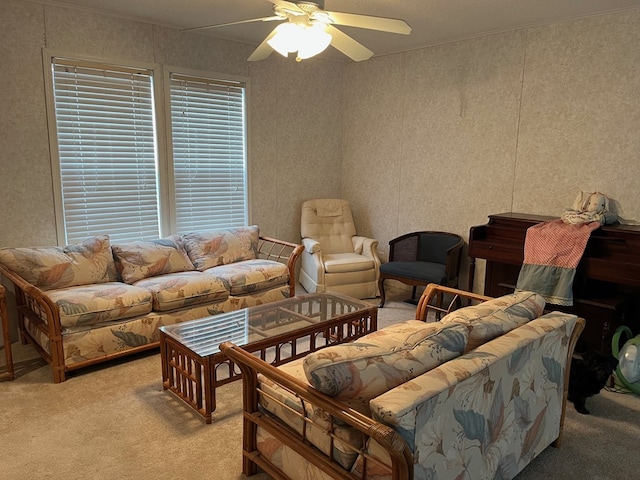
(283, 252)
(312, 265)
(336, 412)
(365, 246)
(311, 246)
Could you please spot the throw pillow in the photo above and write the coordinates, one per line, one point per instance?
(497, 316)
(138, 260)
(51, 268)
(384, 359)
(221, 247)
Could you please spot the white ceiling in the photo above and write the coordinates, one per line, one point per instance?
(433, 21)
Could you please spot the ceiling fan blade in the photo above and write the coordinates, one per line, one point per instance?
(263, 50)
(263, 19)
(347, 45)
(287, 5)
(383, 24)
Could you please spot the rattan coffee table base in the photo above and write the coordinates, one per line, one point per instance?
(194, 376)
(6, 338)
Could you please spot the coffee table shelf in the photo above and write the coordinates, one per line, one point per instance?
(193, 366)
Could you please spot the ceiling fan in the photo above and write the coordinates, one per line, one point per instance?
(309, 29)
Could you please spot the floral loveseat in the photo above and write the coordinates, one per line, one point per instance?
(87, 303)
(476, 395)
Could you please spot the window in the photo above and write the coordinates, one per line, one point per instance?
(207, 123)
(115, 176)
(106, 149)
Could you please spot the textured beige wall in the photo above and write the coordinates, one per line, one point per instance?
(295, 113)
(296, 135)
(441, 137)
(580, 116)
(26, 212)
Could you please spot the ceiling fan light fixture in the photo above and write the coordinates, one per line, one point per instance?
(306, 39)
(309, 29)
(313, 41)
(286, 38)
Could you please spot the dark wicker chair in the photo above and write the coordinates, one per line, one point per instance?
(421, 258)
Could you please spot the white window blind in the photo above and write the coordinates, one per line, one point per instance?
(107, 151)
(209, 162)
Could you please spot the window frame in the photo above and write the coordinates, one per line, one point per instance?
(163, 142)
(183, 71)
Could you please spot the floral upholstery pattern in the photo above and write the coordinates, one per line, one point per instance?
(221, 247)
(184, 289)
(497, 316)
(490, 411)
(108, 338)
(138, 260)
(381, 360)
(91, 304)
(51, 268)
(247, 277)
(103, 337)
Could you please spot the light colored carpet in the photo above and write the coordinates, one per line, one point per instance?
(116, 422)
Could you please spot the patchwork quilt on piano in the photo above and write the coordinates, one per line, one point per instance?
(552, 251)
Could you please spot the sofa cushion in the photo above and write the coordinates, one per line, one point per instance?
(497, 316)
(138, 260)
(384, 359)
(236, 302)
(346, 262)
(221, 247)
(184, 289)
(249, 276)
(51, 268)
(425, 271)
(101, 302)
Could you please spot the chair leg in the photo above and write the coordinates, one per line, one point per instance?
(381, 288)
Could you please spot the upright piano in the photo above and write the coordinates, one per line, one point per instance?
(606, 287)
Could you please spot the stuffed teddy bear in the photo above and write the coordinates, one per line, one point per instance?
(589, 207)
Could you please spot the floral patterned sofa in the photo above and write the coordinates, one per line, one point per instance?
(90, 302)
(475, 395)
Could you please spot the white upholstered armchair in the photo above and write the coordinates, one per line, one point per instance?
(334, 257)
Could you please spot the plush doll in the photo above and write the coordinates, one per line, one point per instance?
(590, 207)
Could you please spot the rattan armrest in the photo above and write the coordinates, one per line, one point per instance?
(385, 436)
(29, 296)
(284, 252)
(442, 300)
(32, 303)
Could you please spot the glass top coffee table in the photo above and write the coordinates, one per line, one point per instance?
(193, 366)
